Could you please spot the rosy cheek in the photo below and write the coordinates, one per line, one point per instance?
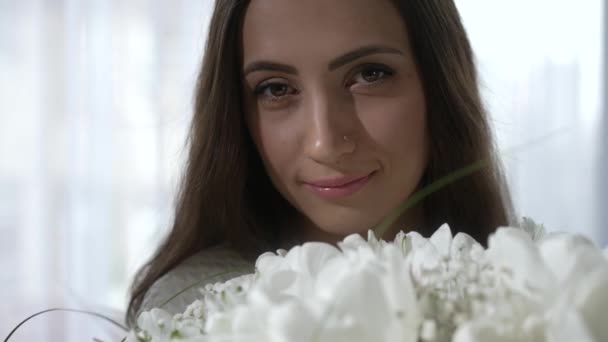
(387, 121)
(396, 129)
(275, 143)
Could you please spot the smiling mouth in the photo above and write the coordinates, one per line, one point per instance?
(338, 187)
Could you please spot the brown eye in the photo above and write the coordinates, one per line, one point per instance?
(370, 74)
(278, 90)
(274, 90)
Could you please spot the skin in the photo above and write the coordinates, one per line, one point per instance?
(299, 111)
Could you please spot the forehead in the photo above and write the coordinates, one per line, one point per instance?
(299, 28)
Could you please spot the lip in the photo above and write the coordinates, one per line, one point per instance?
(333, 188)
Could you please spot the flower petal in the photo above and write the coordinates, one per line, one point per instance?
(314, 256)
(569, 327)
(481, 331)
(512, 249)
(292, 321)
(442, 240)
(463, 245)
(568, 255)
(413, 241)
(592, 301)
(352, 243)
(536, 231)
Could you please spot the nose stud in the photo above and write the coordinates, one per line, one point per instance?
(350, 143)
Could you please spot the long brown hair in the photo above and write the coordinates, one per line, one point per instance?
(226, 196)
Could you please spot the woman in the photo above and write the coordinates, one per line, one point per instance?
(316, 119)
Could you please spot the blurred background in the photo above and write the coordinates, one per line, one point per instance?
(95, 100)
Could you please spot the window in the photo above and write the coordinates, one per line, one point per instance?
(95, 100)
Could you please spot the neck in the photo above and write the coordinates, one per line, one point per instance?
(303, 230)
(411, 220)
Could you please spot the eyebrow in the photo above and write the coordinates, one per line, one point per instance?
(334, 64)
(269, 66)
(360, 53)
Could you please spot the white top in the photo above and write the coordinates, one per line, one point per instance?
(213, 265)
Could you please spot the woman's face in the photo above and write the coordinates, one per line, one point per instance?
(336, 108)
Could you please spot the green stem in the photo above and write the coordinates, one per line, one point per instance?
(390, 220)
(90, 313)
(418, 196)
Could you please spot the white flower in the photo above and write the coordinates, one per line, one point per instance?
(220, 297)
(527, 286)
(374, 280)
(282, 277)
(157, 325)
(536, 231)
(315, 291)
(582, 283)
(513, 251)
(442, 240)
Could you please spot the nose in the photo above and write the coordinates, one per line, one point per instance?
(330, 135)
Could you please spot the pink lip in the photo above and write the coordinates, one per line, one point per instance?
(338, 187)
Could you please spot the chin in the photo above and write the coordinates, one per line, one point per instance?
(334, 222)
(343, 227)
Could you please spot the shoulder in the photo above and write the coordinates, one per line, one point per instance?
(216, 264)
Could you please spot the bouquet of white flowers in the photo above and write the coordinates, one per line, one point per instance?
(527, 285)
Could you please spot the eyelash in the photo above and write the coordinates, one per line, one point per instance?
(385, 71)
(261, 89)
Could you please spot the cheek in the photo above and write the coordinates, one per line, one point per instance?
(397, 126)
(275, 143)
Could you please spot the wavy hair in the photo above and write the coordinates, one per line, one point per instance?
(226, 197)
